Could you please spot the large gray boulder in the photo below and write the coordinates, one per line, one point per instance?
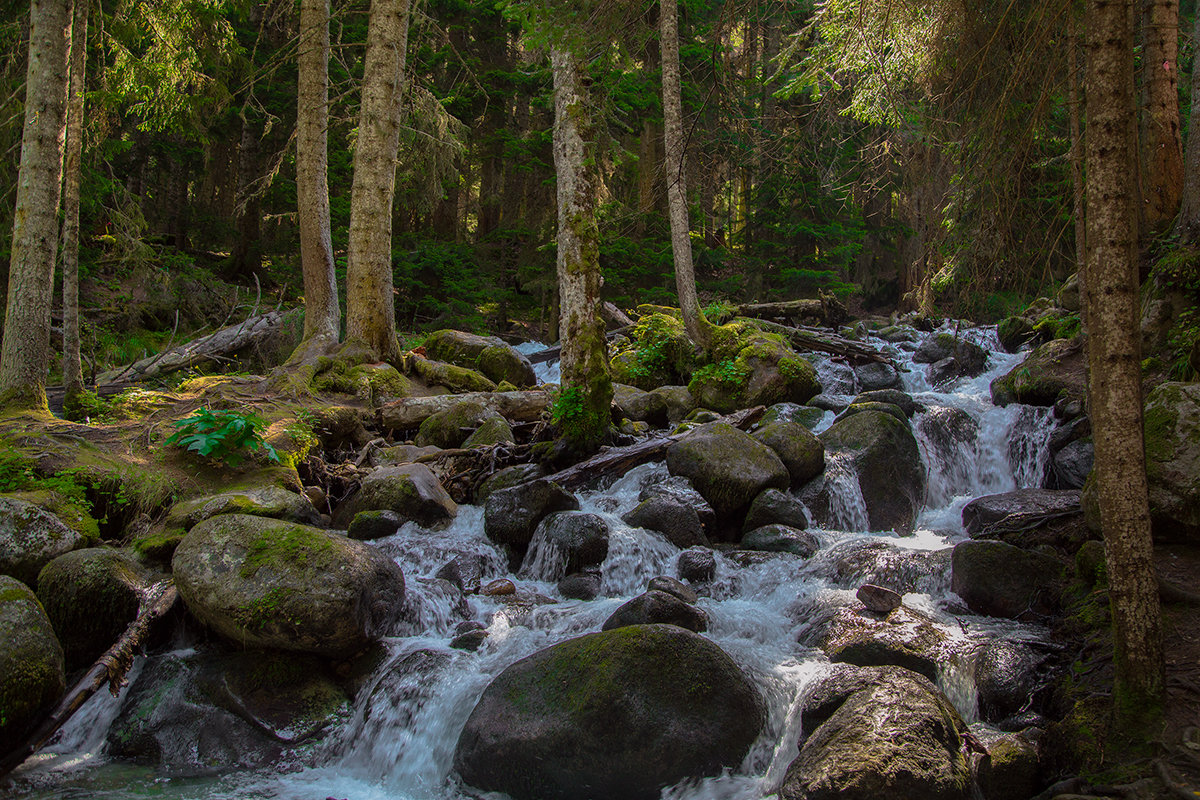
(30, 538)
(676, 520)
(486, 354)
(883, 453)
(452, 427)
(567, 542)
(266, 499)
(657, 606)
(726, 466)
(775, 507)
(1007, 675)
(32, 673)
(999, 580)
(1055, 369)
(412, 491)
(891, 734)
(267, 583)
(1173, 460)
(798, 447)
(1026, 517)
(511, 516)
(616, 715)
(903, 637)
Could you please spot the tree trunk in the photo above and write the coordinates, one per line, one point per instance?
(321, 314)
(246, 257)
(370, 307)
(1188, 226)
(25, 354)
(1161, 149)
(72, 365)
(673, 147)
(1114, 385)
(587, 388)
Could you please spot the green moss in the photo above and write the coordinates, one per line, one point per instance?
(295, 545)
(1161, 419)
(159, 546)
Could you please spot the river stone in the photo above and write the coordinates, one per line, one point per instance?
(263, 500)
(571, 540)
(726, 466)
(905, 638)
(656, 606)
(897, 737)
(994, 515)
(950, 358)
(30, 538)
(829, 402)
(1014, 333)
(368, 525)
(681, 489)
(486, 354)
(696, 565)
(1071, 464)
(91, 596)
(581, 586)
(491, 431)
(1056, 368)
(884, 454)
(507, 478)
(799, 449)
(775, 507)
(869, 560)
(457, 379)
(511, 516)
(877, 375)
(901, 400)
(998, 580)
(640, 405)
(616, 715)
(670, 516)
(1013, 767)
(451, 427)
(665, 583)
(777, 538)
(1173, 460)
(32, 672)
(879, 599)
(268, 583)
(469, 640)
(678, 399)
(1007, 675)
(886, 408)
(412, 491)
(399, 454)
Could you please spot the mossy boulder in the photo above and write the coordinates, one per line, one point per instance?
(678, 399)
(1014, 333)
(268, 500)
(491, 431)
(488, 355)
(775, 507)
(91, 596)
(640, 405)
(1172, 419)
(901, 400)
(882, 451)
(616, 715)
(451, 427)
(998, 580)
(456, 379)
(32, 673)
(1054, 370)
(268, 583)
(412, 491)
(808, 416)
(676, 520)
(507, 478)
(870, 405)
(657, 353)
(893, 736)
(727, 467)
(71, 512)
(30, 538)
(369, 382)
(798, 447)
(1013, 768)
(752, 368)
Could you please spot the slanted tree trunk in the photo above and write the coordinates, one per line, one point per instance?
(370, 308)
(1188, 226)
(25, 353)
(587, 388)
(1114, 384)
(1161, 148)
(321, 314)
(673, 146)
(72, 364)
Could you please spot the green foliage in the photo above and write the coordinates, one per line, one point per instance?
(221, 435)
(568, 406)
(1182, 341)
(1178, 270)
(729, 374)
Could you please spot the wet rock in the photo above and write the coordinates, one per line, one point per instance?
(368, 525)
(91, 596)
(897, 737)
(499, 588)
(507, 478)
(879, 599)
(1007, 676)
(681, 489)
(905, 638)
(780, 539)
(1172, 421)
(995, 514)
(580, 586)
(263, 500)
(575, 540)
(775, 507)
(877, 376)
(465, 571)
(1055, 369)
(412, 491)
(806, 415)
(950, 358)
(615, 715)
(664, 583)
(451, 427)
(726, 466)
(1014, 333)
(895, 397)
(657, 607)
(799, 449)
(32, 671)
(1012, 769)
(267, 583)
(511, 516)
(520, 605)
(900, 569)
(30, 538)
(696, 565)
(829, 402)
(486, 354)
(999, 580)
(886, 408)
(673, 518)
(469, 640)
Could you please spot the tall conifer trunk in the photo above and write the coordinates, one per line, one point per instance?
(72, 364)
(1161, 146)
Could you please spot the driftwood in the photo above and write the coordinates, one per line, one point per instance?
(110, 668)
(615, 316)
(822, 342)
(198, 351)
(409, 412)
(827, 309)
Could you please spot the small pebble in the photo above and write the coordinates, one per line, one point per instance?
(878, 598)
(500, 586)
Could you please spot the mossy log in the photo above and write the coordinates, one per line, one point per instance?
(521, 406)
(806, 340)
(827, 309)
(110, 668)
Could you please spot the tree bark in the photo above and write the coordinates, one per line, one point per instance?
(370, 307)
(72, 365)
(587, 387)
(321, 313)
(673, 147)
(1114, 385)
(1161, 148)
(25, 353)
(1188, 226)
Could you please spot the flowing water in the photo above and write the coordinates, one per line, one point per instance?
(398, 743)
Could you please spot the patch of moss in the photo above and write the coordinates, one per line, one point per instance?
(295, 545)
(160, 546)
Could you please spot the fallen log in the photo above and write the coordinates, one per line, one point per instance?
(827, 309)
(554, 353)
(519, 406)
(213, 347)
(822, 342)
(110, 668)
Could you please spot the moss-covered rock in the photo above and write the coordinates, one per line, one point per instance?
(808, 416)
(412, 491)
(30, 538)
(886, 408)
(727, 467)
(775, 507)
(491, 431)
(72, 513)
(488, 355)
(1172, 420)
(1012, 769)
(999, 580)
(451, 427)
(658, 353)
(1014, 333)
(91, 596)
(267, 583)
(507, 478)
(266, 499)
(640, 405)
(456, 379)
(751, 368)
(32, 675)
(616, 715)
(1057, 369)
(678, 399)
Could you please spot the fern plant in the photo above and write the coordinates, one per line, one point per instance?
(222, 435)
